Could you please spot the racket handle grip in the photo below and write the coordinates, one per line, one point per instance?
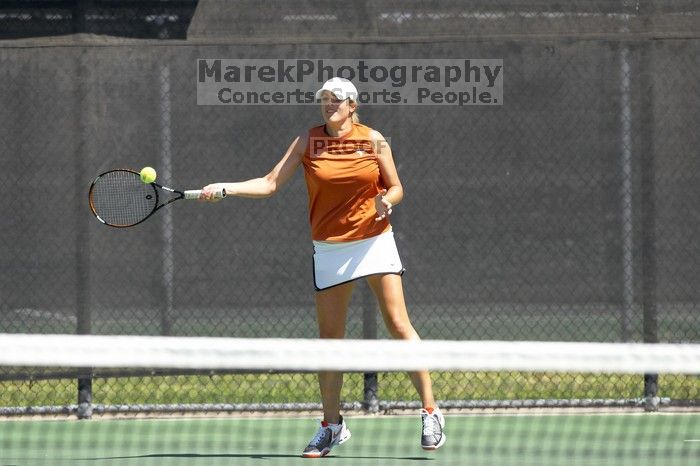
(195, 193)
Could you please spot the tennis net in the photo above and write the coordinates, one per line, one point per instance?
(527, 432)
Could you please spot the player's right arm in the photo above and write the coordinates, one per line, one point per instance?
(267, 185)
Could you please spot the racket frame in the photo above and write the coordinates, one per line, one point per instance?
(189, 194)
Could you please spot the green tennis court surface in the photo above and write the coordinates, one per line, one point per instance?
(532, 439)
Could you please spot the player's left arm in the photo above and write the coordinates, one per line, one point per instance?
(390, 177)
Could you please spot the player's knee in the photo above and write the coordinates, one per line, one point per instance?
(400, 329)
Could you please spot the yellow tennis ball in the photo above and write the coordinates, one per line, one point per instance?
(148, 175)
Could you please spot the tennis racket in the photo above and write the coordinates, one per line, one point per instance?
(119, 198)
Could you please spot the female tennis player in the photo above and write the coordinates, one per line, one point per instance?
(353, 187)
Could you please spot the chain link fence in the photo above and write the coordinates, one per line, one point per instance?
(568, 213)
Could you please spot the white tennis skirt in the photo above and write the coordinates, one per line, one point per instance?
(336, 263)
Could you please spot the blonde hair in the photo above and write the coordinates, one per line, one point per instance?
(355, 116)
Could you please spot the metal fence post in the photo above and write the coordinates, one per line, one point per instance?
(626, 196)
(649, 264)
(82, 244)
(168, 281)
(78, 16)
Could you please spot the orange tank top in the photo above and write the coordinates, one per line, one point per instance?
(342, 178)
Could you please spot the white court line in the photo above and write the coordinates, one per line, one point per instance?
(692, 440)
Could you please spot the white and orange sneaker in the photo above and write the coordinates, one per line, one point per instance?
(327, 436)
(432, 436)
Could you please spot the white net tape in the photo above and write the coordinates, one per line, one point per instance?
(343, 355)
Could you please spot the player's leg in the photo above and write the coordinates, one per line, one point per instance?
(389, 292)
(331, 310)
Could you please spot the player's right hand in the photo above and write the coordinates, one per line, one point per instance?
(209, 192)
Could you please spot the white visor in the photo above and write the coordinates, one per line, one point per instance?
(340, 87)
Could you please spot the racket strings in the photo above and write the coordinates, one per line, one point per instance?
(120, 198)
